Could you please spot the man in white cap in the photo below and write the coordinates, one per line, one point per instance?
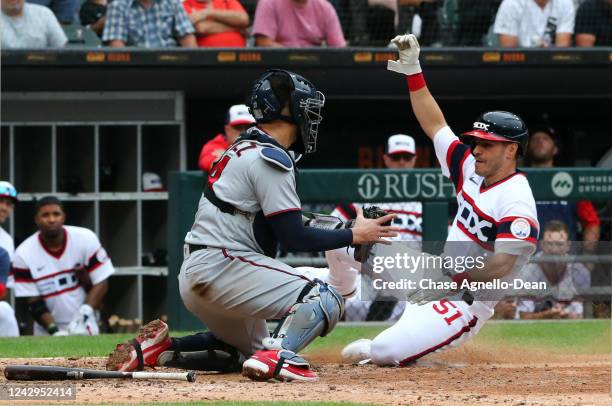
(237, 120)
(8, 198)
(400, 154)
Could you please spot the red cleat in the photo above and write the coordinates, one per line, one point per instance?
(282, 365)
(152, 340)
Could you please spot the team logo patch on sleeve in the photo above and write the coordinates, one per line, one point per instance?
(520, 228)
(101, 255)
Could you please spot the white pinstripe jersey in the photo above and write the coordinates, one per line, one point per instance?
(39, 272)
(409, 217)
(503, 211)
(499, 218)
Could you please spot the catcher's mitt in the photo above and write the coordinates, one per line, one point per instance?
(375, 212)
(372, 212)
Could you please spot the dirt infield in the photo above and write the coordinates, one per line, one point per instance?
(468, 375)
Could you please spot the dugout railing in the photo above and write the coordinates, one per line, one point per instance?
(322, 186)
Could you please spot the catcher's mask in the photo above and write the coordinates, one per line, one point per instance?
(305, 104)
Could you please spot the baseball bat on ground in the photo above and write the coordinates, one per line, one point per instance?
(53, 373)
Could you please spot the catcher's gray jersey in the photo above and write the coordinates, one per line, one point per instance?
(256, 176)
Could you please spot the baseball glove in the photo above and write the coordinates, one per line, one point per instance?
(362, 250)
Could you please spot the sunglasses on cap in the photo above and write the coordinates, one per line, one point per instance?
(399, 157)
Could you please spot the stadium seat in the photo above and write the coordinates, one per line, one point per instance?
(448, 19)
(491, 39)
(79, 36)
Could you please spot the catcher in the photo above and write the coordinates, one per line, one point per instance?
(229, 278)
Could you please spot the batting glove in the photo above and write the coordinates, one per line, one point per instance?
(84, 322)
(409, 49)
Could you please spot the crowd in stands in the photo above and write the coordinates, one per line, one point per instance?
(305, 23)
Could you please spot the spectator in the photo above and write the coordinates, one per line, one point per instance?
(64, 10)
(594, 23)
(148, 23)
(218, 23)
(541, 152)
(400, 155)
(474, 19)
(426, 13)
(29, 26)
(505, 309)
(8, 198)
(62, 271)
(535, 23)
(372, 22)
(297, 23)
(564, 281)
(93, 15)
(237, 120)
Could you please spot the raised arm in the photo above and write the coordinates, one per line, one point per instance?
(424, 105)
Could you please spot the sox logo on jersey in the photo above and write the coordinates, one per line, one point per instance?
(483, 229)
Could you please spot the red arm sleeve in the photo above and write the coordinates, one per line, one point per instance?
(587, 214)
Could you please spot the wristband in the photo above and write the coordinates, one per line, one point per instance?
(52, 329)
(416, 82)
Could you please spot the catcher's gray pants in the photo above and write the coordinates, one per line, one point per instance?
(234, 292)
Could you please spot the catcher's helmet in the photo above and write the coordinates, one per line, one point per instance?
(305, 104)
(8, 190)
(500, 126)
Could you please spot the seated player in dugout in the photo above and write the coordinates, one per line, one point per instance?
(229, 278)
(497, 217)
(237, 120)
(63, 271)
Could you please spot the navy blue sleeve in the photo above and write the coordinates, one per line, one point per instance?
(5, 265)
(293, 235)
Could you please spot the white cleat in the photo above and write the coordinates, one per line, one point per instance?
(357, 352)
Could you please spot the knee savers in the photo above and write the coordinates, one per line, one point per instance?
(316, 314)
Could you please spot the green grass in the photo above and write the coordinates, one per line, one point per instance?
(585, 337)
